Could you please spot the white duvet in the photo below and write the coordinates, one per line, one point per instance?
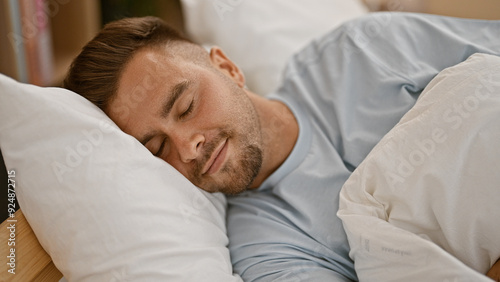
(425, 203)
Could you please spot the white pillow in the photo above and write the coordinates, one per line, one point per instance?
(101, 205)
(260, 35)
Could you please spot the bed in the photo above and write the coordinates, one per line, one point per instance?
(32, 262)
(110, 234)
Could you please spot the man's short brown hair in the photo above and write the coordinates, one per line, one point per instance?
(95, 72)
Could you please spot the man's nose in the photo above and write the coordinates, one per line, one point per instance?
(189, 145)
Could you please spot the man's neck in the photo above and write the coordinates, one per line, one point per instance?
(280, 131)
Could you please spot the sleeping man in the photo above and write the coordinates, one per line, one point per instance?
(283, 158)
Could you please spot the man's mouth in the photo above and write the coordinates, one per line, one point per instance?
(216, 160)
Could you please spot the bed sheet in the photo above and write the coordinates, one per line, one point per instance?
(424, 203)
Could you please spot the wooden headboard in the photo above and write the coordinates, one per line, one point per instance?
(30, 261)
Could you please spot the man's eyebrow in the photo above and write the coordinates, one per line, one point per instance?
(175, 93)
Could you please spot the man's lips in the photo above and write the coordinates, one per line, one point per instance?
(216, 160)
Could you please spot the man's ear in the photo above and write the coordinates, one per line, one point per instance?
(221, 62)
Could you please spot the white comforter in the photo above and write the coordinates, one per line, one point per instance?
(425, 204)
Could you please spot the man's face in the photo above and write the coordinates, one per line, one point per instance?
(196, 117)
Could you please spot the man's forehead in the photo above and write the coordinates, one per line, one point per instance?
(145, 83)
(136, 87)
(156, 55)
(149, 70)
(150, 61)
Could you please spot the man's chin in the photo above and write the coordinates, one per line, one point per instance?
(235, 178)
(234, 192)
(226, 190)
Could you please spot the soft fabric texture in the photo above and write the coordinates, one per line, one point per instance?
(101, 205)
(347, 90)
(430, 188)
(261, 35)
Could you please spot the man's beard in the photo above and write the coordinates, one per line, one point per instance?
(233, 177)
(243, 175)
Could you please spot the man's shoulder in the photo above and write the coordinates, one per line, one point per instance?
(360, 31)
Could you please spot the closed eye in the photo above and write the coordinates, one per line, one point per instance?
(187, 111)
(158, 153)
